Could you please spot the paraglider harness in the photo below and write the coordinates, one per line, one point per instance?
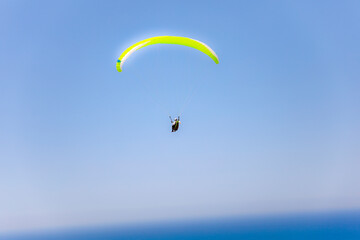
(175, 124)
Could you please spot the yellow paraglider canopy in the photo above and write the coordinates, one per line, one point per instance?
(166, 40)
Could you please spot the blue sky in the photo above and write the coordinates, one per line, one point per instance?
(273, 128)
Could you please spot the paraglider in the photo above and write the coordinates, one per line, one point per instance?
(166, 40)
(189, 42)
(175, 124)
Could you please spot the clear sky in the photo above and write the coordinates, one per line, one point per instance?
(273, 128)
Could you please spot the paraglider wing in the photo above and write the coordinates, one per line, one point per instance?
(166, 40)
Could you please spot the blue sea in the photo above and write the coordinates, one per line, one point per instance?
(324, 226)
